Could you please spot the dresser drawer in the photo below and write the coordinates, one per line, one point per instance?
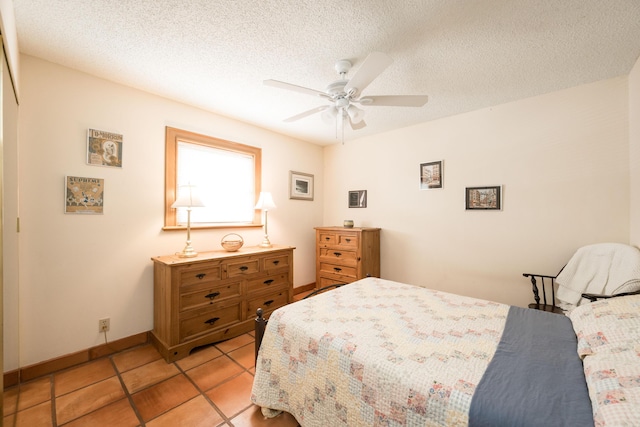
(243, 267)
(268, 302)
(199, 274)
(269, 282)
(327, 281)
(341, 270)
(274, 262)
(205, 321)
(347, 240)
(327, 239)
(200, 295)
(338, 256)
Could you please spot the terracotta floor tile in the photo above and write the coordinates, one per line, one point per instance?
(194, 413)
(214, 372)
(10, 401)
(39, 415)
(149, 374)
(34, 392)
(198, 357)
(83, 401)
(234, 343)
(233, 396)
(118, 414)
(245, 356)
(139, 356)
(164, 396)
(82, 376)
(252, 417)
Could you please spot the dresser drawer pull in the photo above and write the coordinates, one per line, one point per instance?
(327, 238)
(200, 276)
(337, 254)
(348, 240)
(211, 321)
(337, 269)
(268, 303)
(212, 295)
(276, 262)
(244, 268)
(268, 282)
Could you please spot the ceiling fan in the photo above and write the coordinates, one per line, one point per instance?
(344, 94)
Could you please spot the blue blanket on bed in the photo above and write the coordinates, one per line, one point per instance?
(535, 376)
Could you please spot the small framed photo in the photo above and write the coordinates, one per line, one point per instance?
(84, 195)
(431, 175)
(104, 148)
(358, 199)
(483, 198)
(300, 186)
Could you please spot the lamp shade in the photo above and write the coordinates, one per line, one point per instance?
(265, 201)
(187, 197)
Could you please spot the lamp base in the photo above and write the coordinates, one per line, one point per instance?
(265, 243)
(188, 251)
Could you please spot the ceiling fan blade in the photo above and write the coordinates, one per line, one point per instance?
(373, 65)
(296, 88)
(358, 125)
(307, 113)
(394, 100)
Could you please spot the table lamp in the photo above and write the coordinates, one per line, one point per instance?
(187, 198)
(265, 202)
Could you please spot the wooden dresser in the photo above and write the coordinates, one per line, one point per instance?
(344, 255)
(215, 295)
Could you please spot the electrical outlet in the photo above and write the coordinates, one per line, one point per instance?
(103, 325)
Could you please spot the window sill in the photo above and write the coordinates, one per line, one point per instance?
(209, 226)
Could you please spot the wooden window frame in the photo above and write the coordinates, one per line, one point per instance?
(172, 137)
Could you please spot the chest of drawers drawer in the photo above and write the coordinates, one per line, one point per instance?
(269, 302)
(338, 256)
(267, 284)
(200, 322)
(200, 295)
(199, 274)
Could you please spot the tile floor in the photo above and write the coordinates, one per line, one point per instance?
(136, 387)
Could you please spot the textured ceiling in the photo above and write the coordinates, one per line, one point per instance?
(464, 54)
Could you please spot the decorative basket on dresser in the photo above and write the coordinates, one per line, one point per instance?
(344, 255)
(215, 295)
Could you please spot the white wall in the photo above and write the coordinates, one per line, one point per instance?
(77, 269)
(562, 159)
(634, 152)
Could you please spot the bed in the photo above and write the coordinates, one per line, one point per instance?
(382, 353)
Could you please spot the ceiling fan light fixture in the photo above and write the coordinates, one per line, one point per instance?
(355, 114)
(329, 115)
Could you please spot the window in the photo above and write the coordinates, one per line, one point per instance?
(226, 175)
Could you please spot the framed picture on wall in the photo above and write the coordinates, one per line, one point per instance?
(300, 186)
(483, 198)
(431, 175)
(84, 195)
(104, 148)
(358, 199)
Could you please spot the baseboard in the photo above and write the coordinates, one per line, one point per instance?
(305, 288)
(12, 378)
(47, 367)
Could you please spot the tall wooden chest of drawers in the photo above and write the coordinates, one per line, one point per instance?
(214, 296)
(344, 255)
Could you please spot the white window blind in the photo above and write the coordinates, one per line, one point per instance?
(224, 180)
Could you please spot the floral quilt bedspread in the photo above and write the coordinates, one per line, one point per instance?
(434, 353)
(608, 334)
